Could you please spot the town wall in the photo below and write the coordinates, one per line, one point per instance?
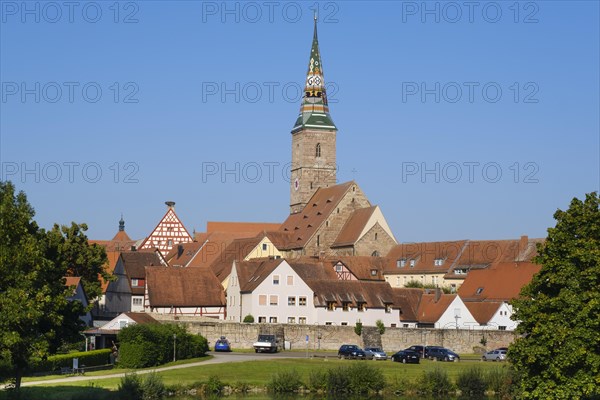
(321, 337)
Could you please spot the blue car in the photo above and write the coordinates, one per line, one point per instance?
(222, 344)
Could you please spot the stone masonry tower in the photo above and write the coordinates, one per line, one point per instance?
(313, 137)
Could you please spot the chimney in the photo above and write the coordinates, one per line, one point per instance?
(170, 204)
(438, 294)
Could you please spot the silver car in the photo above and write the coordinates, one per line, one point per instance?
(494, 355)
(376, 353)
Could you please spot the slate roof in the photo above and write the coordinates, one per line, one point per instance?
(501, 282)
(353, 227)
(304, 224)
(183, 287)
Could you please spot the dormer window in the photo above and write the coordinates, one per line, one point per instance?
(412, 263)
(373, 272)
(479, 290)
(401, 263)
(438, 261)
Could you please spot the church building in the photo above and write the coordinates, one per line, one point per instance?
(326, 218)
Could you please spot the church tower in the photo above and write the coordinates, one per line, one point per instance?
(313, 137)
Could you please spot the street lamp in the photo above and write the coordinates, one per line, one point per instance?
(174, 347)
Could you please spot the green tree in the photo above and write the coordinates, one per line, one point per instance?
(68, 246)
(35, 315)
(558, 353)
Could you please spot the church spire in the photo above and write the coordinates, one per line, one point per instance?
(314, 111)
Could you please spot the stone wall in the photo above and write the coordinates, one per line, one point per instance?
(242, 335)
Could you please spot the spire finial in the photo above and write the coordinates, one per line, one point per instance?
(315, 14)
(121, 224)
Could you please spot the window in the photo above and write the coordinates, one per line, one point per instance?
(328, 323)
(388, 308)
(318, 150)
(412, 263)
(438, 261)
(273, 300)
(401, 263)
(397, 281)
(135, 282)
(123, 323)
(327, 223)
(170, 242)
(453, 288)
(339, 268)
(265, 246)
(331, 305)
(301, 320)
(375, 235)
(479, 290)
(501, 328)
(275, 279)
(291, 301)
(346, 305)
(375, 254)
(318, 240)
(137, 301)
(291, 320)
(405, 325)
(344, 324)
(273, 320)
(290, 280)
(262, 320)
(262, 300)
(302, 301)
(360, 307)
(373, 272)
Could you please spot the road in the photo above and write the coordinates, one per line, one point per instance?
(218, 358)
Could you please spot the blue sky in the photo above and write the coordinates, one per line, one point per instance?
(459, 122)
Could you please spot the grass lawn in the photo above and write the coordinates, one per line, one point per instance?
(258, 373)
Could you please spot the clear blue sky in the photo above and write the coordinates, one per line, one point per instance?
(413, 88)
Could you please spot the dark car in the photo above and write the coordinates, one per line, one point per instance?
(442, 354)
(351, 351)
(222, 344)
(406, 356)
(422, 350)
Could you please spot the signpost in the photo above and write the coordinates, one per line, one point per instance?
(306, 346)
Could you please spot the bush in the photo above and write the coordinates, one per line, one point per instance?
(499, 380)
(88, 358)
(152, 344)
(358, 328)
(241, 387)
(130, 387)
(471, 381)
(337, 380)
(380, 326)
(435, 381)
(249, 319)
(364, 378)
(153, 387)
(317, 380)
(214, 385)
(285, 382)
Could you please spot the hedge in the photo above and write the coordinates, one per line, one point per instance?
(152, 344)
(88, 358)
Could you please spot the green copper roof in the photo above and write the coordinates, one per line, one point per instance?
(314, 110)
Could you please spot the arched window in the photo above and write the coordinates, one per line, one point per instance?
(375, 254)
(318, 150)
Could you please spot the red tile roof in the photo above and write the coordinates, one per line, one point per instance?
(237, 250)
(374, 294)
(483, 311)
(424, 256)
(183, 287)
(141, 318)
(253, 273)
(501, 282)
(407, 300)
(183, 253)
(430, 310)
(321, 205)
(250, 228)
(353, 227)
(363, 266)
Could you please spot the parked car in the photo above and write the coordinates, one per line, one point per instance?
(352, 351)
(494, 355)
(265, 343)
(376, 353)
(423, 350)
(222, 344)
(442, 354)
(406, 356)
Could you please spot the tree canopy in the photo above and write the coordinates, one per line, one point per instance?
(35, 313)
(558, 354)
